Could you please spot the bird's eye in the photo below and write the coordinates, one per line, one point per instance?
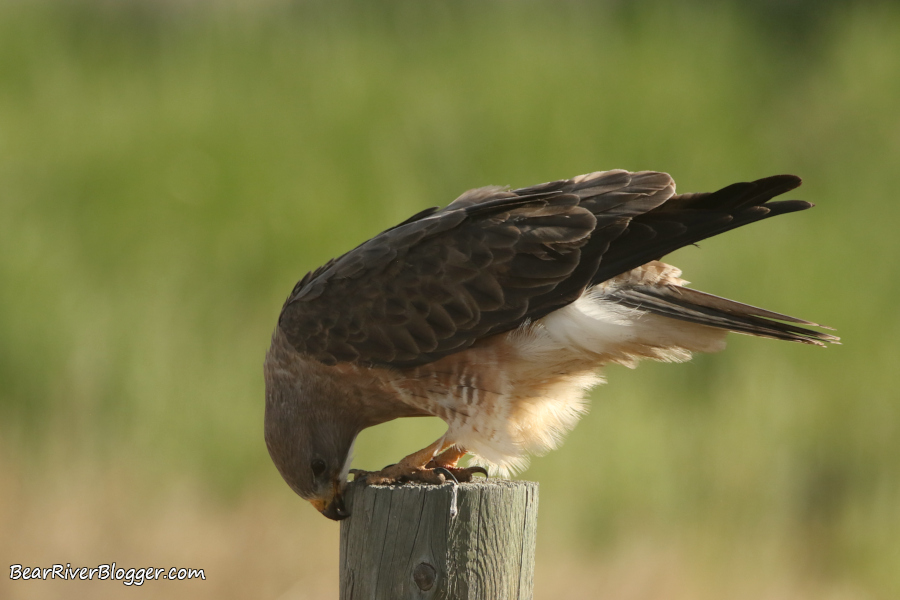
(317, 466)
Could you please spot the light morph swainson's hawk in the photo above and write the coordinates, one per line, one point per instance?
(495, 314)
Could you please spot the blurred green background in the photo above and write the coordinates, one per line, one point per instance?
(169, 170)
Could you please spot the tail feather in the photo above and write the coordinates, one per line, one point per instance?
(685, 304)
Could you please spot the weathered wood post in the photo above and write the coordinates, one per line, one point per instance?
(402, 542)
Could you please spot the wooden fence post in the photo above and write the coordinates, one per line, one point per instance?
(401, 542)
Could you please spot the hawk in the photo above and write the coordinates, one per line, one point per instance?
(495, 314)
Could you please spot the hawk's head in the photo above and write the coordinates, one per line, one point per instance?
(308, 433)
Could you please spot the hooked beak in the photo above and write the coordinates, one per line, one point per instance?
(334, 508)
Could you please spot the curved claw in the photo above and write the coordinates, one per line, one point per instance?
(447, 474)
(477, 469)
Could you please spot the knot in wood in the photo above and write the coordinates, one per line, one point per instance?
(424, 576)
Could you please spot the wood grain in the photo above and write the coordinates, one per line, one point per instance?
(401, 542)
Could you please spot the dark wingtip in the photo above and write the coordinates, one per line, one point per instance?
(786, 182)
(776, 185)
(780, 207)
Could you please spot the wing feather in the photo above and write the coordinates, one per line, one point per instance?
(494, 258)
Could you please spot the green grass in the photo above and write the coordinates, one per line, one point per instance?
(166, 175)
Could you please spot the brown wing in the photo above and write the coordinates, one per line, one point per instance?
(492, 259)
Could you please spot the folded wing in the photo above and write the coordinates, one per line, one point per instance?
(492, 259)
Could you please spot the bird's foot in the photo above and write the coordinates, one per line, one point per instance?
(429, 474)
(399, 473)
